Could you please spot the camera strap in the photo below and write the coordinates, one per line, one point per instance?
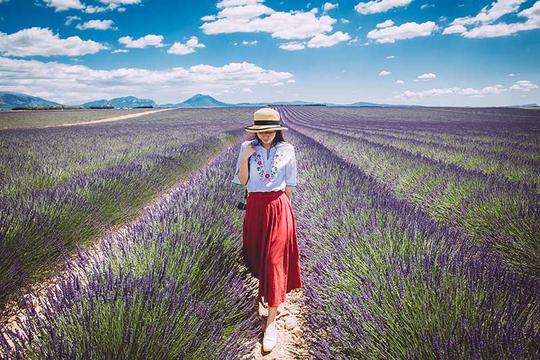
(249, 160)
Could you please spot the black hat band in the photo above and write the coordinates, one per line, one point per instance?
(267, 122)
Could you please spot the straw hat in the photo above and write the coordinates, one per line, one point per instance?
(265, 119)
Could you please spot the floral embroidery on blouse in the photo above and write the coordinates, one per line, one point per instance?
(265, 174)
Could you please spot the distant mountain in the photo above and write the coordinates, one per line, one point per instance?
(122, 102)
(250, 104)
(365, 104)
(525, 105)
(275, 103)
(10, 100)
(201, 100)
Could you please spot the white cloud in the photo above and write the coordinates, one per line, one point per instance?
(379, 6)
(246, 89)
(63, 5)
(90, 9)
(278, 84)
(496, 89)
(249, 43)
(120, 2)
(425, 6)
(482, 26)
(147, 40)
(497, 30)
(252, 16)
(454, 29)
(426, 76)
(524, 85)
(292, 46)
(405, 31)
(400, 82)
(37, 41)
(71, 19)
(511, 74)
(120, 51)
(282, 25)
(497, 9)
(390, 57)
(384, 73)
(329, 6)
(291, 81)
(96, 24)
(532, 11)
(229, 3)
(344, 21)
(322, 40)
(385, 24)
(183, 49)
(244, 13)
(68, 83)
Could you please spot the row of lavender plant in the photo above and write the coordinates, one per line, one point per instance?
(383, 280)
(39, 159)
(513, 168)
(39, 228)
(506, 149)
(510, 127)
(499, 165)
(173, 287)
(503, 215)
(512, 132)
(501, 125)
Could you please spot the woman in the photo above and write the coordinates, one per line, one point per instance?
(270, 247)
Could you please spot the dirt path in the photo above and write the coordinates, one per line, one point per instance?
(115, 118)
(290, 324)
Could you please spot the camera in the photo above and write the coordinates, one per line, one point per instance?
(241, 205)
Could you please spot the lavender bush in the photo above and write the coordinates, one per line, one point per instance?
(491, 210)
(90, 178)
(403, 256)
(173, 287)
(383, 280)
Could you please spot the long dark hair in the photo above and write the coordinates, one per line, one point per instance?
(278, 138)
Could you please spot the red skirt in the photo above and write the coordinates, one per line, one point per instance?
(270, 247)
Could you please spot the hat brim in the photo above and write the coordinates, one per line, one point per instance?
(253, 129)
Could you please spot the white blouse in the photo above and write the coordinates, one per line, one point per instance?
(269, 170)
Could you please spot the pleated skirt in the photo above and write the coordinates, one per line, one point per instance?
(269, 245)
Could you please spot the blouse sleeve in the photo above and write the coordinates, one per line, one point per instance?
(235, 179)
(290, 171)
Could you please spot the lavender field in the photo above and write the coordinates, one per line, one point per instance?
(418, 232)
(61, 187)
(24, 119)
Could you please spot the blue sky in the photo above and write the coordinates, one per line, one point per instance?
(458, 53)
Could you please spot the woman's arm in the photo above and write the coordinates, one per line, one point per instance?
(290, 175)
(288, 191)
(243, 170)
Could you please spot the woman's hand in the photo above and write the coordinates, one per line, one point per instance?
(288, 192)
(250, 150)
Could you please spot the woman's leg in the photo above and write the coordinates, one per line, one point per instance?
(272, 312)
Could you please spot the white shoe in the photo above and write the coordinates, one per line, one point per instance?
(270, 337)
